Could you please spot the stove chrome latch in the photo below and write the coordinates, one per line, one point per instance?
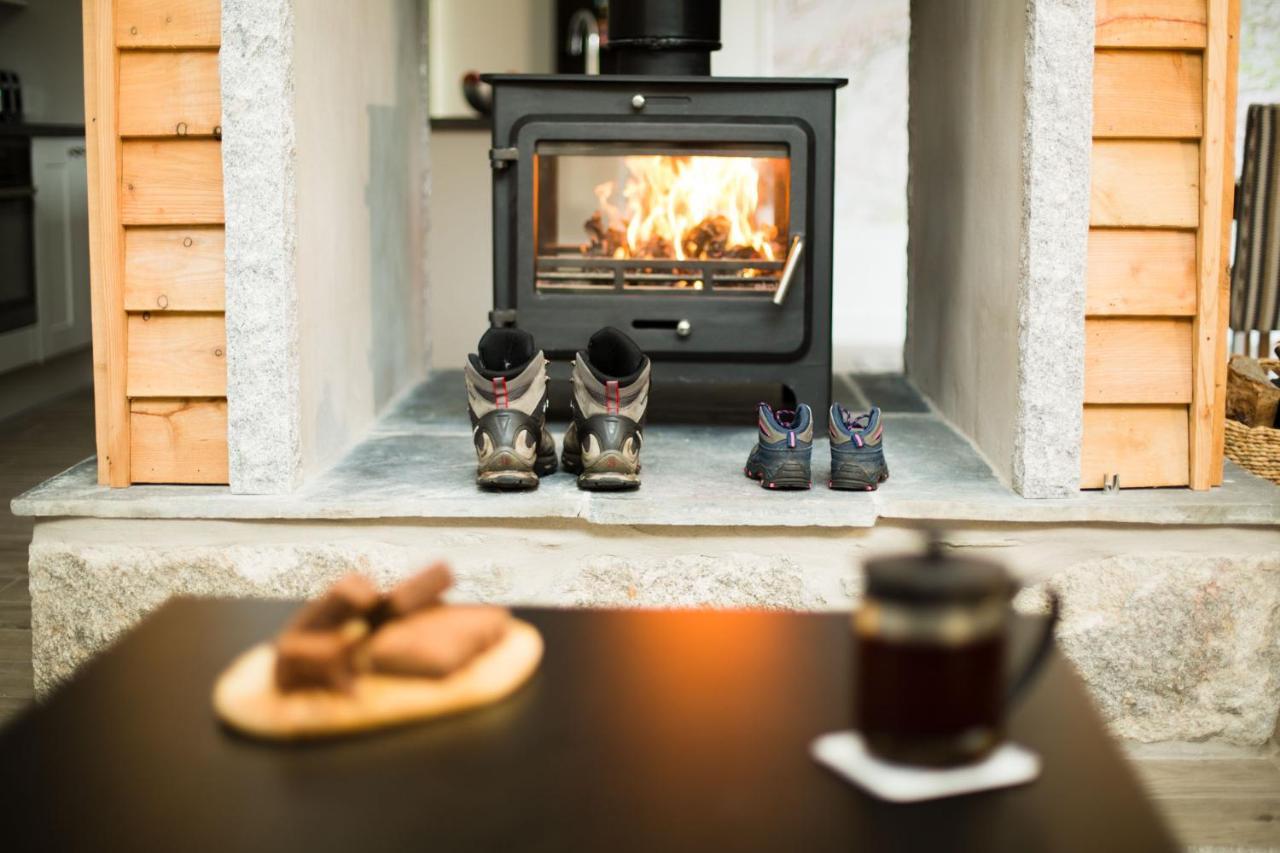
(789, 269)
(500, 158)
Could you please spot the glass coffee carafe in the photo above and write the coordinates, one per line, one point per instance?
(932, 681)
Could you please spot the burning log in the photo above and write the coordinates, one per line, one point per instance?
(604, 239)
(708, 240)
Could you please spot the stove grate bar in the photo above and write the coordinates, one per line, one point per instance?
(579, 272)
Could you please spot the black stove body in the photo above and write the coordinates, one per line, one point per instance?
(692, 212)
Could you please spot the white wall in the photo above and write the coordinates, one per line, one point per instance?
(966, 120)
(485, 36)
(42, 42)
(361, 153)
(459, 243)
(863, 40)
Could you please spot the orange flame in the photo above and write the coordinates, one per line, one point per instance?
(681, 207)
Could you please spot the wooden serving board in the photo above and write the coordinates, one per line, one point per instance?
(246, 696)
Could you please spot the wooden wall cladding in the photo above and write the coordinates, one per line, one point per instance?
(1147, 94)
(1151, 23)
(171, 182)
(1141, 273)
(1142, 445)
(1145, 360)
(1145, 184)
(177, 355)
(153, 109)
(168, 23)
(178, 441)
(1159, 214)
(170, 93)
(174, 269)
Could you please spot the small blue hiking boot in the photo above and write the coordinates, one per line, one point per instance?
(782, 457)
(857, 450)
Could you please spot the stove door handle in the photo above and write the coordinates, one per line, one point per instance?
(789, 269)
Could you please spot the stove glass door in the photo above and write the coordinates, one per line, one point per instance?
(632, 218)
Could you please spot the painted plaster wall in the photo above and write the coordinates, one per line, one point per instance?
(465, 39)
(460, 244)
(361, 149)
(866, 42)
(965, 209)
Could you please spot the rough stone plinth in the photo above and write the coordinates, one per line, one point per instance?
(1176, 631)
(1175, 647)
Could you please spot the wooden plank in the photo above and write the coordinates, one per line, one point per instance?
(177, 355)
(171, 182)
(1198, 778)
(1150, 23)
(1144, 445)
(1228, 203)
(168, 23)
(1137, 360)
(170, 93)
(106, 237)
(1145, 184)
(1207, 351)
(1225, 823)
(174, 269)
(179, 441)
(1147, 94)
(1141, 273)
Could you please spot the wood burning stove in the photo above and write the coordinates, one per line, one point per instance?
(692, 212)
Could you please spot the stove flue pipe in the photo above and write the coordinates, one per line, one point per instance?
(662, 37)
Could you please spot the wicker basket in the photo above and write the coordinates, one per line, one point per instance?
(1255, 449)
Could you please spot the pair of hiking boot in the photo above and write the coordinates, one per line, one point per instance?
(783, 455)
(507, 399)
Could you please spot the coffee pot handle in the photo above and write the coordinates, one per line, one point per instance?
(1037, 657)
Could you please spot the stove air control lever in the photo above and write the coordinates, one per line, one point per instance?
(500, 158)
(789, 269)
(684, 328)
(638, 102)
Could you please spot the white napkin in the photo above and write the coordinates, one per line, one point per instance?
(846, 754)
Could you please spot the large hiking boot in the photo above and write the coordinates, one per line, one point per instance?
(507, 400)
(610, 396)
(857, 450)
(783, 455)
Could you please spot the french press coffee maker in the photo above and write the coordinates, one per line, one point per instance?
(933, 678)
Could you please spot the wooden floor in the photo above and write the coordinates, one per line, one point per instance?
(33, 447)
(1212, 804)
(1218, 804)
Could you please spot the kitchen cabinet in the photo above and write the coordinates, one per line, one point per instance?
(60, 221)
(62, 245)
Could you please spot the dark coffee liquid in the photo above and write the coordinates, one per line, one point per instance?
(930, 704)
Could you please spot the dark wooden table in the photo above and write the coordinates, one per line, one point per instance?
(641, 731)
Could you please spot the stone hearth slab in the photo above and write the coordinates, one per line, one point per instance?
(417, 462)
